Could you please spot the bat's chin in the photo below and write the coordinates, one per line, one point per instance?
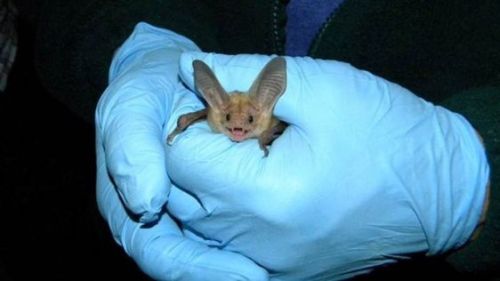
(237, 134)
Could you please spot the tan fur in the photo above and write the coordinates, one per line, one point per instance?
(240, 115)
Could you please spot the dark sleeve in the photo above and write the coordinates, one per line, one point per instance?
(8, 41)
(76, 39)
(434, 48)
(481, 107)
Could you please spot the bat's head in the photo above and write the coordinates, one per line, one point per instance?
(241, 115)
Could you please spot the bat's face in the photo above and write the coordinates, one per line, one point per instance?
(240, 119)
(240, 115)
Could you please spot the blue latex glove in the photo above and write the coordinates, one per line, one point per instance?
(131, 174)
(366, 173)
(351, 184)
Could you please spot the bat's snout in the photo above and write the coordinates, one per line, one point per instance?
(237, 134)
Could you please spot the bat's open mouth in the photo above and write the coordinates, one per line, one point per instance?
(237, 134)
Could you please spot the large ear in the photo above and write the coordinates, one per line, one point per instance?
(208, 85)
(270, 84)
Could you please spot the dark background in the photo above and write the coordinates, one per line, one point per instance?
(50, 224)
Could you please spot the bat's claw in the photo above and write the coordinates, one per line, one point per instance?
(264, 148)
(170, 138)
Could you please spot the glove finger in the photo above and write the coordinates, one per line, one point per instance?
(164, 254)
(130, 126)
(131, 114)
(184, 206)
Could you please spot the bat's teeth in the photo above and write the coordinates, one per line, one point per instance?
(238, 134)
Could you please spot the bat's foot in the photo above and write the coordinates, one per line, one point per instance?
(269, 135)
(170, 138)
(263, 146)
(184, 121)
(174, 133)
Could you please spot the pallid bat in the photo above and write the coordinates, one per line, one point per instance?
(239, 115)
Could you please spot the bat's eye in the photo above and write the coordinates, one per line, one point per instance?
(228, 117)
(250, 119)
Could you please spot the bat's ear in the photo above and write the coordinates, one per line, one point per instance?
(208, 85)
(270, 84)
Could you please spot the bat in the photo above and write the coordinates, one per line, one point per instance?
(239, 115)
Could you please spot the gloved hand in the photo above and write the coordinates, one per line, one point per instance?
(131, 174)
(365, 174)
